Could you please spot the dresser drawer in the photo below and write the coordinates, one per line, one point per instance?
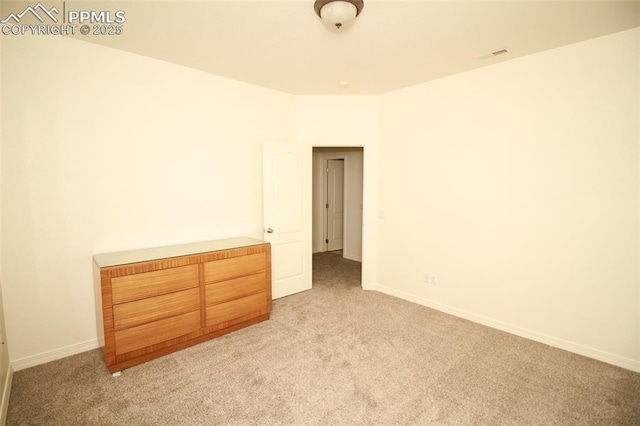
(224, 291)
(223, 312)
(155, 332)
(133, 287)
(132, 314)
(160, 300)
(226, 269)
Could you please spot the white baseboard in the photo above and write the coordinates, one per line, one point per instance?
(352, 257)
(43, 358)
(372, 286)
(4, 403)
(627, 363)
(579, 349)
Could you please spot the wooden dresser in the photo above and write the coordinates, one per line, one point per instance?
(157, 301)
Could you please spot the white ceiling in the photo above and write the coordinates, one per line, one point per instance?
(393, 44)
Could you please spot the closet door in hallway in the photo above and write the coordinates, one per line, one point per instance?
(335, 204)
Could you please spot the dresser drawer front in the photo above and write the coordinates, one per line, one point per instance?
(226, 269)
(223, 312)
(149, 334)
(139, 286)
(132, 314)
(224, 291)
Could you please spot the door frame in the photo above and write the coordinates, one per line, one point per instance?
(372, 216)
(326, 153)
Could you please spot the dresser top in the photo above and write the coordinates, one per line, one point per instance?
(144, 255)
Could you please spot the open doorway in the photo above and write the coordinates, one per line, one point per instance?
(337, 201)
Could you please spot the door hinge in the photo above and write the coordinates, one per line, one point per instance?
(326, 241)
(326, 206)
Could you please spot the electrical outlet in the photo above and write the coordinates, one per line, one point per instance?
(429, 279)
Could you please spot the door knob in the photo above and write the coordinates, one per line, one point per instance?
(269, 231)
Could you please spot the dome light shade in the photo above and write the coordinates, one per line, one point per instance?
(338, 14)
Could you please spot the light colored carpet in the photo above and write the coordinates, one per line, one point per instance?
(341, 356)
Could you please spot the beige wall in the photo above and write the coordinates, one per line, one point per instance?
(6, 373)
(348, 121)
(104, 151)
(516, 186)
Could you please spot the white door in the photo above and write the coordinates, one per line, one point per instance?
(287, 215)
(335, 204)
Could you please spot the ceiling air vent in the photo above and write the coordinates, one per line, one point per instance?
(493, 54)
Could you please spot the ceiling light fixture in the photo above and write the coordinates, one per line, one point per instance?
(338, 14)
